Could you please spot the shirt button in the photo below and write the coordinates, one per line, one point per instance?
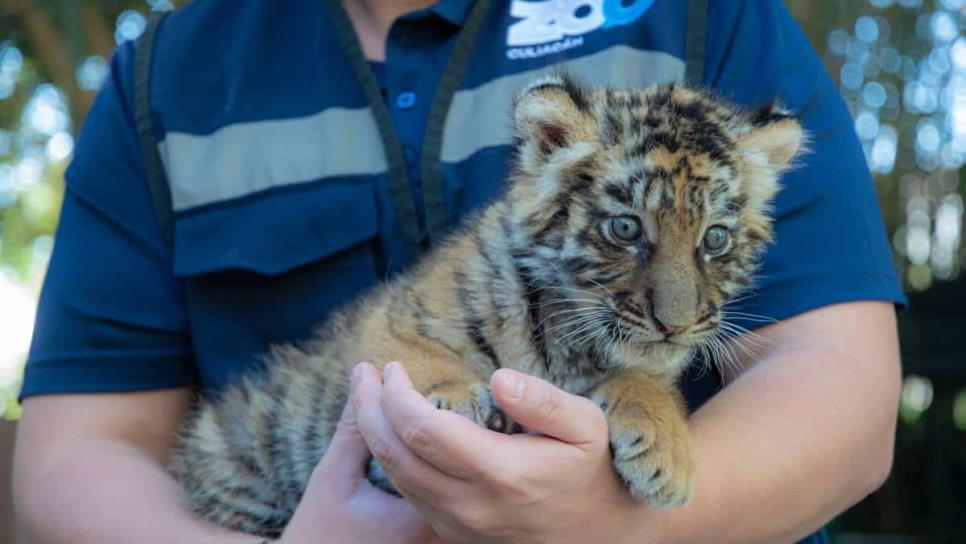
(405, 100)
(409, 155)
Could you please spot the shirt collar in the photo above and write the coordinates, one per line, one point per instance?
(454, 11)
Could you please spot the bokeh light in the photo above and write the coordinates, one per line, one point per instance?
(130, 25)
(16, 329)
(959, 410)
(46, 112)
(91, 72)
(160, 5)
(60, 146)
(11, 62)
(917, 394)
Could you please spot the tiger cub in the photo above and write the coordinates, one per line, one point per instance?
(630, 220)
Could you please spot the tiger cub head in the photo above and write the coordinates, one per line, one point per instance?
(643, 212)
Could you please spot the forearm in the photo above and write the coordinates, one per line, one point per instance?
(108, 492)
(799, 438)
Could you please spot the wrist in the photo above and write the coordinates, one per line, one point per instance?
(646, 525)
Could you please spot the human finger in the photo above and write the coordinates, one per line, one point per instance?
(345, 459)
(543, 408)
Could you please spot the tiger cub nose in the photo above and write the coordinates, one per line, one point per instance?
(669, 330)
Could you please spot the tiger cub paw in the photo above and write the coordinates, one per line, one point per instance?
(654, 460)
(473, 401)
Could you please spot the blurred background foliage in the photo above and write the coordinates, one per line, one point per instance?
(54, 57)
(900, 64)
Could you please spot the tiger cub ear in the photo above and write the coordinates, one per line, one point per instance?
(775, 138)
(769, 147)
(551, 114)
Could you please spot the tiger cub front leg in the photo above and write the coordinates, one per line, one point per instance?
(648, 437)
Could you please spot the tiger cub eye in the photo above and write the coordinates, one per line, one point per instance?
(716, 240)
(626, 228)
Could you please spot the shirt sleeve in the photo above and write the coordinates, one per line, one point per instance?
(111, 315)
(830, 243)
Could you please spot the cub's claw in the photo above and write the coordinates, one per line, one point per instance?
(474, 402)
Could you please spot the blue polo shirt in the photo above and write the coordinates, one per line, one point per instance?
(279, 187)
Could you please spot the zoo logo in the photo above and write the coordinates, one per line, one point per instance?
(564, 22)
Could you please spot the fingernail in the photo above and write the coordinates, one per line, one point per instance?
(515, 385)
(389, 371)
(356, 376)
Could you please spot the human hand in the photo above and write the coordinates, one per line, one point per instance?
(475, 485)
(340, 505)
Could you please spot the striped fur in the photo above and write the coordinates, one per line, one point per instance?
(539, 282)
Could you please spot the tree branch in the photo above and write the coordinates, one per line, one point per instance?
(100, 37)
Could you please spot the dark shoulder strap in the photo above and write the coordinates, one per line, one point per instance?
(399, 186)
(156, 178)
(431, 162)
(696, 42)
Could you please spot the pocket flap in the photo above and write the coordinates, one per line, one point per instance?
(276, 231)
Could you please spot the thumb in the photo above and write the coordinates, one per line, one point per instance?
(543, 408)
(346, 457)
